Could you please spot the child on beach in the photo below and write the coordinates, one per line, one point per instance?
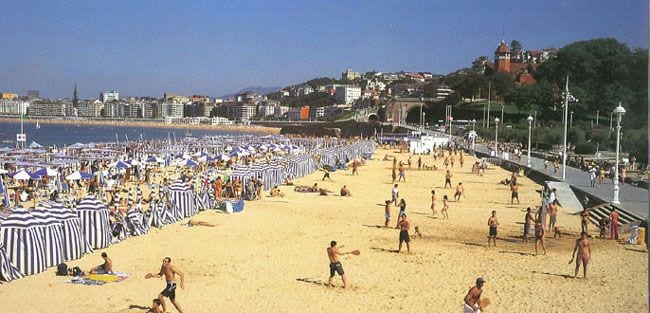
(445, 206)
(155, 306)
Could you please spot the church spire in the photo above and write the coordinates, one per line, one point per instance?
(75, 96)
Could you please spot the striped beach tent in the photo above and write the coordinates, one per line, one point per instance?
(23, 242)
(182, 197)
(53, 237)
(74, 243)
(7, 271)
(136, 222)
(155, 218)
(94, 222)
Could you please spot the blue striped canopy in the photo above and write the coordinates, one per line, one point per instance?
(23, 242)
(94, 222)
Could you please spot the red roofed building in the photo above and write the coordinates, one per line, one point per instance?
(502, 58)
(520, 72)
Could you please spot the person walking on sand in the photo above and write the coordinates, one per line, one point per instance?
(170, 272)
(448, 179)
(394, 194)
(584, 223)
(433, 202)
(584, 251)
(333, 254)
(493, 222)
(394, 174)
(460, 191)
(473, 298)
(402, 175)
(539, 236)
(387, 212)
(445, 206)
(404, 226)
(527, 221)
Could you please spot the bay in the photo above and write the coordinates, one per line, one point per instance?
(67, 134)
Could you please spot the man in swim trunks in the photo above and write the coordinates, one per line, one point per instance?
(552, 213)
(448, 179)
(515, 193)
(493, 222)
(539, 235)
(335, 265)
(473, 298)
(460, 190)
(105, 268)
(169, 271)
(404, 226)
(584, 251)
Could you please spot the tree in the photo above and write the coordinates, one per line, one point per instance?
(515, 46)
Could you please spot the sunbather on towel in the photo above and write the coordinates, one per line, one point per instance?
(106, 268)
(191, 223)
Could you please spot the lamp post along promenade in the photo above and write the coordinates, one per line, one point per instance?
(530, 125)
(618, 111)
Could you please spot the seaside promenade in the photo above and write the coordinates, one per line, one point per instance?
(633, 198)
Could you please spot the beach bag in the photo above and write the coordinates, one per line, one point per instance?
(62, 269)
(77, 272)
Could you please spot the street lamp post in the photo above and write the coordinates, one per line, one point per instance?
(496, 136)
(535, 119)
(473, 135)
(597, 115)
(619, 111)
(530, 124)
(421, 116)
(450, 120)
(610, 121)
(571, 122)
(483, 121)
(424, 119)
(502, 112)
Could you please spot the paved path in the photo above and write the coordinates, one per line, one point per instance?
(633, 199)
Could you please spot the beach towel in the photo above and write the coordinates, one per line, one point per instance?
(98, 279)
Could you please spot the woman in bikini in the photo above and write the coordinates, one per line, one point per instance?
(445, 206)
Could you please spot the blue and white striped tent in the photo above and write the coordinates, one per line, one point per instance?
(156, 214)
(23, 242)
(182, 197)
(94, 222)
(136, 222)
(74, 244)
(7, 271)
(53, 237)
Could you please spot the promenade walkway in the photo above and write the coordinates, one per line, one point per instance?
(633, 199)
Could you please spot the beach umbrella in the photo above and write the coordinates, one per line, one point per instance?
(94, 222)
(22, 175)
(34, 145)
(188, 162)
(120, 165)
(45, 171)
(23, 242)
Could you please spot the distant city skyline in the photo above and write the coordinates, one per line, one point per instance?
(147, 48)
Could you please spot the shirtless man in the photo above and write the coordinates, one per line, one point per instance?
(105, 268)
(493, 222)
(387, 212)
(514, 194)
(473, 298)
(460, 191)
(584, 251)
(169, 271)
(335, 265)
(345, 192)
(404, 226)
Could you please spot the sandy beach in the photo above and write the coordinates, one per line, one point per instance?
(272, 256)
(135, 123)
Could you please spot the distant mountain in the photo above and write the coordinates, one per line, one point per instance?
(256, 89)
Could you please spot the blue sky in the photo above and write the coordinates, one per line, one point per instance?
(205, 47)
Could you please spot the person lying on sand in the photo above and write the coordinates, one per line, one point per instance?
(105, 268)
(191, 223)
(275, 192)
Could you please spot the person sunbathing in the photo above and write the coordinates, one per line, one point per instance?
(275, 192)
(191, 223)
(105, 268)
(345, 192)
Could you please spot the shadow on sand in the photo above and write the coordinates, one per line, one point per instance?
(517, 252)
(384, 250)
(373, 226)
(316, 282)
(554, 274)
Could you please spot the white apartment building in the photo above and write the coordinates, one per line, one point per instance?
(244, 112)
(47, 108)
(90, 109)
(347, 94)
(294, 113)
(172, 110)
(265, 109)
(304, 90)
(350, 75)
(13, 107)
(109, 96)
(443, 92)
